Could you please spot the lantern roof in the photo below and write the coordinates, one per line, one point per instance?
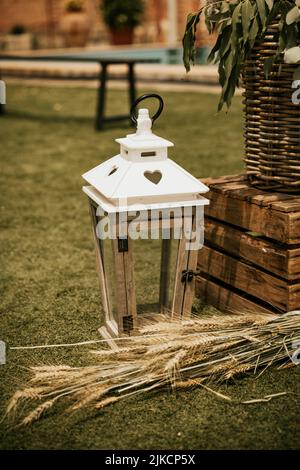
(142, 173)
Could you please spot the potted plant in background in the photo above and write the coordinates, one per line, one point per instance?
(258, 41)
(75, 26)
(18, 40)
(122, 16)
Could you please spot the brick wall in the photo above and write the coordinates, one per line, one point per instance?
(33, 14)
(43, 17)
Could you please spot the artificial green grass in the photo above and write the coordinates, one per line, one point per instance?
(49, 288)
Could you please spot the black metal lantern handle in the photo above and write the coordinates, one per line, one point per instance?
(145, 97)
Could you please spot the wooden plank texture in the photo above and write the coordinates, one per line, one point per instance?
(260, 251)
(224, 179)
(130, 284)
(225, 299)
(238, 187)
(125, 287)
(272, 290)
(164, 274)
(190, 286)
(179, 287)
(281, 226)
(121, 300)
(244, 269)
(184, 292)
(100, 265)
(294, 262)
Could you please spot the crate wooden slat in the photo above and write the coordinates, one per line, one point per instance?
(239, 204)
(251, 257)
(226, 299)
(246, 278)
(259, 251)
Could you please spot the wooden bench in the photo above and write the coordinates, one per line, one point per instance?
(104, 63)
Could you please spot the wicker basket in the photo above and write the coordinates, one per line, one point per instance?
(272, 121)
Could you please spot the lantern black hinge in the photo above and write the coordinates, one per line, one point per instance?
(122, 245)
(188, 274)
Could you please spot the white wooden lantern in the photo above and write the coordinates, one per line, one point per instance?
(142, 180)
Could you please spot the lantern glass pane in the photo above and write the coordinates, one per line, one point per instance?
(172, 272)
(147, 274)
(108, 262)
(154, 274)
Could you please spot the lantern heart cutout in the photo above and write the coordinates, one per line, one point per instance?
(153, 176)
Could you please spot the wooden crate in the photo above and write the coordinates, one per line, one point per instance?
(251, 257)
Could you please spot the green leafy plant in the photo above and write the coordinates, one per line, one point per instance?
(238, 24)
(120, 14)
(18, 29)
(75, 6)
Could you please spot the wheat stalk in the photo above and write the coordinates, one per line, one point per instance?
(181, 353)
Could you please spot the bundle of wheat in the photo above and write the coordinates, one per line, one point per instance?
(178, 353)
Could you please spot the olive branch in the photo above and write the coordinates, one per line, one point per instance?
(238, 24)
